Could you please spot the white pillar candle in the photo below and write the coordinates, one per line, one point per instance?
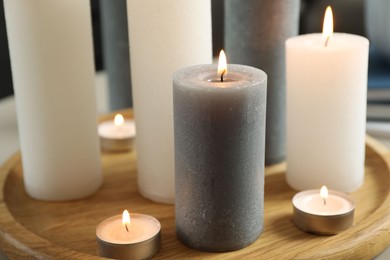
(164, 35)
(326, 111)
(53, 74)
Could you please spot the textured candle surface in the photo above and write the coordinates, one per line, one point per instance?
(219, 156)
(53, 74)
(255, 33)
(326, 111)
(165, 35)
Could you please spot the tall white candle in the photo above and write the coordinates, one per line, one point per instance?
(53, 73)
(326, 111)
(164, 35)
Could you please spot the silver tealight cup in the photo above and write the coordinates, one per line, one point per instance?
(323, 216)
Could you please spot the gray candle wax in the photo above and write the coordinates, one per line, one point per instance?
(255, 32)
(116, 52)
(219, 130)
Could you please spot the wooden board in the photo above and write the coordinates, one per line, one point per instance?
(66, 230)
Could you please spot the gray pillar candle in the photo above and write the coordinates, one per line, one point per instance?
(116, 52)
(255, 32)
(219, 131)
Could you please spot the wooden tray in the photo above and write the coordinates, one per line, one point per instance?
(66, 230)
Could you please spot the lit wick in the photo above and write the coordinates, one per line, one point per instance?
(326, 41)
(222, 65)
(324, 194)
(128, 228)
(223, 72)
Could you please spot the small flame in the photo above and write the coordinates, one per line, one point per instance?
(126, 219)
(222, 65)
(324, 193)
(327, 29)
(119, 120)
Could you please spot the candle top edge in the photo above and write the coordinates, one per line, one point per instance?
(301, 199)
(337, 41)
(330, 192)
(112, 120)
(328, 215)
(238, 76)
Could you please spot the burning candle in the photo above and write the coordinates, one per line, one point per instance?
(219, 130)
(117, 135)
(129, 236)
(326, 109)
(323, 212)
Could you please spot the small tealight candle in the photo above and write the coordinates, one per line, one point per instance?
(323, 212)
(129, 236)
(117, 135)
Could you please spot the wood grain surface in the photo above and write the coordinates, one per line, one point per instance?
(66, 230)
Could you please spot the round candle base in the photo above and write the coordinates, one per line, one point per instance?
(143, 247)
(322, 223)
(143, 250)
(116, 145)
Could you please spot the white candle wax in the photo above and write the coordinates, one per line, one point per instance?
(164, 35)
(53, 74)
(141, 228)
(108, 129)
(311, 202)
(326, 111)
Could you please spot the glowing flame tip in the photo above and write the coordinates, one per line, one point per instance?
(324, 192)
(222, 64)
(126, 217)
(119, 120)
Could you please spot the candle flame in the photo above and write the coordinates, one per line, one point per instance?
(119, 120)
(327, 29)
(126, 219)
(222, 65)
(324, 193)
